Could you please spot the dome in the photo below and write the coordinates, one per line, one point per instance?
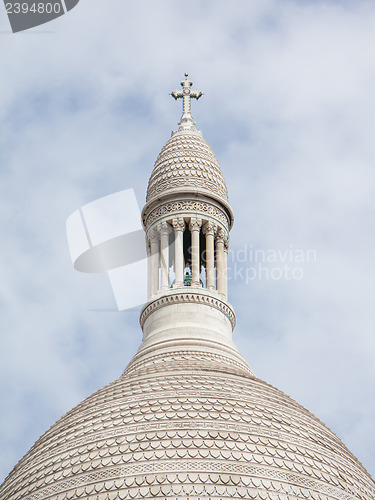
(187, 164)
(188, 426)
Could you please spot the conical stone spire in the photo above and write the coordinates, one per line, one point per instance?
(187, 164)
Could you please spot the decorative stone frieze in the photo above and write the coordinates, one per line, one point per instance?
(186, 207)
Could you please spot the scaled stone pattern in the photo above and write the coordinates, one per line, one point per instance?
(187, 162)
(188, 429)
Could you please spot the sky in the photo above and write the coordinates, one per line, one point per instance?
(289, 110)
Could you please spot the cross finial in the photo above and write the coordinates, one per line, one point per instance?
(186, 94)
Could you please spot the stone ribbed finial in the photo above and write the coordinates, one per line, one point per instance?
(186, 94)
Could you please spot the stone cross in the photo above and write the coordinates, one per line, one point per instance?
(186, 94)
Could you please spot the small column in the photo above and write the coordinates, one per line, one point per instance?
(179, 227)
(195, 227)
(220, 268)
(226, 250)
(164, 229)
(149, 286)
(209, 231)
(154, 240)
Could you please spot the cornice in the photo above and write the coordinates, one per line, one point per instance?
(180, 297)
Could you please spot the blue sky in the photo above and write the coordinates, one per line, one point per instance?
(289, 109)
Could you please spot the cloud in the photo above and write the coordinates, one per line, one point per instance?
(288, 109)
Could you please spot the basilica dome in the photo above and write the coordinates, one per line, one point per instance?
(187, 426)
(188, 418)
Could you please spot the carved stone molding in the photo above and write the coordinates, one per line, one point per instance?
(226, 478)
(184, 297)
(199, 207)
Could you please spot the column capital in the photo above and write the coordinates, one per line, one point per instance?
(178, 224)
(195, 224)
(153, 235)
(221, 235)
(209, 228)
(163, 228)
(226, 244)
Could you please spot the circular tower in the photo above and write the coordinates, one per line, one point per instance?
(188, 419)
(187, 219)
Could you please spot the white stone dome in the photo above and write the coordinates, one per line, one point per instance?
(187, 164)
(188, 425)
